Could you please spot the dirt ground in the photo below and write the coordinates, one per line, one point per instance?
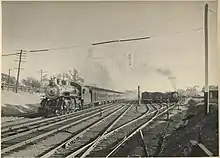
(207, 126)
(185, 126)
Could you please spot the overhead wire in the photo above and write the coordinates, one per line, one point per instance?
(177, 32)
(10, 54)
(111, 41)
(92, 44)
(105, 42)
(212, 11)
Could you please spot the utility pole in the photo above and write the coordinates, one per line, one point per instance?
(18, 73)
(41, 76)
(75, 72)
(138, 95)
(129, 59)
(9, 77)
(206, 94)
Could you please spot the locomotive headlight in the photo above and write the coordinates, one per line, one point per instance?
(175, 95)
(52, 92)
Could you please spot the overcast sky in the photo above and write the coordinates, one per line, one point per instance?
(176, 47)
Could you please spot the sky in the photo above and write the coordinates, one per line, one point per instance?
(175, 49)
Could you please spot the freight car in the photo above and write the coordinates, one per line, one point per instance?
(159, 97)
(63, 97)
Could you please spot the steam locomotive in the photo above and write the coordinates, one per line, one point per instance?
(159, 97)
(64, 97)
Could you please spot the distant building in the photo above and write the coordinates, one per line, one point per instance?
(213, 94)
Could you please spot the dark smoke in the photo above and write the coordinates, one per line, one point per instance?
(168, 73)
(165, 72)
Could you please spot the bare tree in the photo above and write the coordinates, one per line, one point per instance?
(74, 76)
(31, 82)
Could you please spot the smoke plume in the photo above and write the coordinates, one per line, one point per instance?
(168, 73)
(165, 72)
(96, 74)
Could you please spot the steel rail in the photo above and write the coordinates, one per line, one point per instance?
(106, 131)
(7, 138)
(18, 121)
(93, 144)
(47, 155)
(71, 139)
(50, 119)
(132, 121)
(17, 145)
(138, 129)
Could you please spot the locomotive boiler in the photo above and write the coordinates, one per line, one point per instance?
(65, 97)
(58, 100)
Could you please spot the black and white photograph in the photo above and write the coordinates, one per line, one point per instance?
(109, 79)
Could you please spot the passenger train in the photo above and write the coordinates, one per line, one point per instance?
(64, 97)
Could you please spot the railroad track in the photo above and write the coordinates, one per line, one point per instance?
(117, 134)
(88, 137)
(5, 120)
(22, 122)
(93, 131)
(20, 134)
(120, 144)
(93, 137)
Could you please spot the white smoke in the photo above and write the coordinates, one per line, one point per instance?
(96, 73)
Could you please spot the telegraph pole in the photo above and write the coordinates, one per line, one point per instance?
(206, 94)
(138, 95)
(75, 72)
(129, 59)
(41, 76)
(9, 77)
(18, 73)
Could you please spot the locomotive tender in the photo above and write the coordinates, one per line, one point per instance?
(71, 96)
(159, 97)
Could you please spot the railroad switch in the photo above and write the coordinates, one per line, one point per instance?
(100, 112)
(136, 108)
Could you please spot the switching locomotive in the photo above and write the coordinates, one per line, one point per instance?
(66, 97)
(159, 97)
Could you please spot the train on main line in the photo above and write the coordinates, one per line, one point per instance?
(159, 97)
(63, 97)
